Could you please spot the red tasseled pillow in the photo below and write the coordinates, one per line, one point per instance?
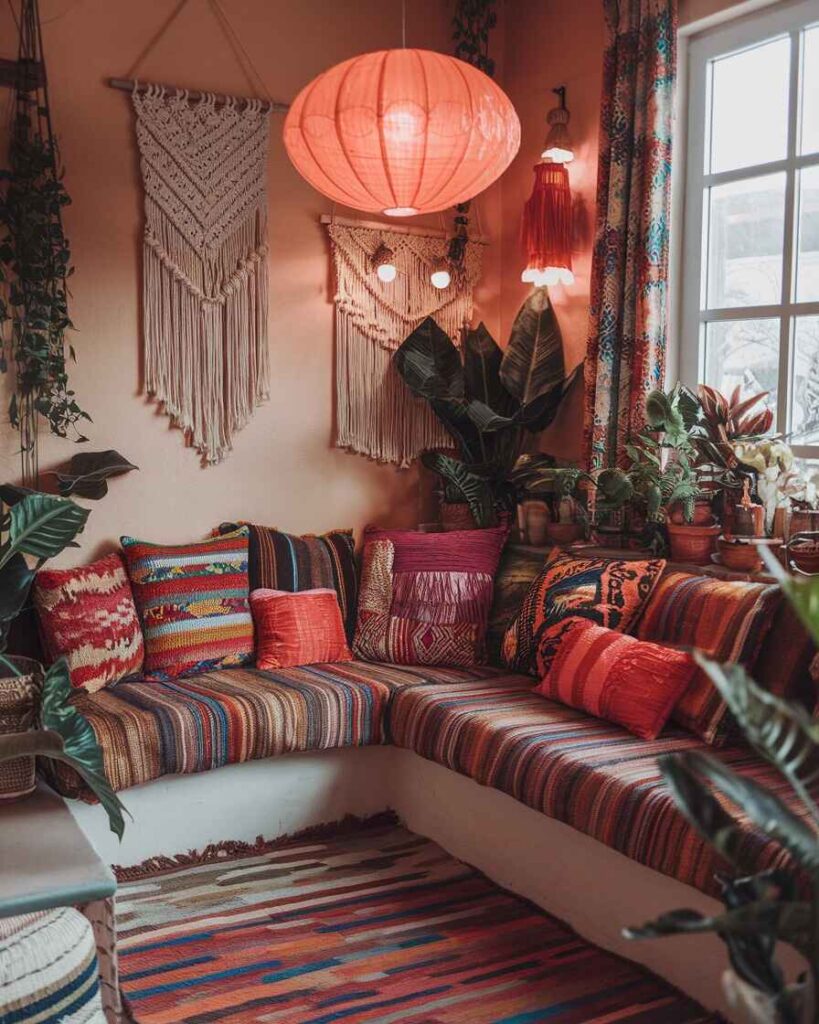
(303, 628)
(633, 683)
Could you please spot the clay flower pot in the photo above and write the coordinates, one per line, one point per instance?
(564, 533)
(741, 556)
(690, 543)
(537, 521)
(456, 516)
(703, 514)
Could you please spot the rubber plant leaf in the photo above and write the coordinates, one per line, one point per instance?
(540, 413)
(691, 773)
(430, 364)
(781, 731)
(87, 473)
(41, 525)
(474, 490)
(482, 363)
(532, 364)
(79, 743)
(16, 579)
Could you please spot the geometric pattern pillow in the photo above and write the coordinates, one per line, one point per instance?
(725, 619)
(87, 615)
(285, 561)
(193, 602)
(425, 597)
(608, 592)
(613, 676)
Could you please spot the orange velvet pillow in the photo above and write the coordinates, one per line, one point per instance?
(611, 675)
(303, 628)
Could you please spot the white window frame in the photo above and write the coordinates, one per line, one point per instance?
(784, 19)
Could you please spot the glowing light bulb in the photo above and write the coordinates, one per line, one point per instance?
(557, 155)
(386, 272)
(547, 277)
(383, 263)
(440, 277)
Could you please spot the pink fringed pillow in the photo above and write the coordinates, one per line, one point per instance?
(633, 683)
(425, 597)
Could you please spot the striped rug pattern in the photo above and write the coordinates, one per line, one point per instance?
(375, 926)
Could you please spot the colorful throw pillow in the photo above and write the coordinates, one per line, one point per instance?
(193, 601)
(726, 619)
(613, 676)
(425, 597)
(605, 591)
(88, 616)
(298, 629)
(284, 561)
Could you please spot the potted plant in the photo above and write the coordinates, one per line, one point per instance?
(769, 907)
(33, 528)
(537, 476)
(492, 401)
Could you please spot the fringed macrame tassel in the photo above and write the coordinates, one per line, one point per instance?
(441, 596)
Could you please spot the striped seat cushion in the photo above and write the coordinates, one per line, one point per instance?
(589, 774)
(150, 729)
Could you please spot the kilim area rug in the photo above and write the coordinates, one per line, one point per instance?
(374, 925)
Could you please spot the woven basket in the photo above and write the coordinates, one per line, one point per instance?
(19, 703)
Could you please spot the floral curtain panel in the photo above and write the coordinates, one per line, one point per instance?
(629, 290)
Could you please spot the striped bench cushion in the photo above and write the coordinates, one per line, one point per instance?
(584, 772)
(150, 729)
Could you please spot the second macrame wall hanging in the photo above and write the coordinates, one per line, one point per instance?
(376, 413)
(205, 304)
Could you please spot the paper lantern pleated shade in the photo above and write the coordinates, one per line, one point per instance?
(401, 132)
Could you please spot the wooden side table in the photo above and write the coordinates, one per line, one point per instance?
(46, 861)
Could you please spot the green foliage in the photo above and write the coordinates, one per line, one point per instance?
(489, 400)
(34, 265)
(88, 473)
(471, 24)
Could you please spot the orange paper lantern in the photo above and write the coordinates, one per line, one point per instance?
(401, 132)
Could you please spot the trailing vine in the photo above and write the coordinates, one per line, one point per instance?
(35, 261)
(472, 23)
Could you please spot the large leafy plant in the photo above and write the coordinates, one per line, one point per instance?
(33, 528)
(491, 401)
(767, 907)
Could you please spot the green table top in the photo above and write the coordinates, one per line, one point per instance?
(46, 861)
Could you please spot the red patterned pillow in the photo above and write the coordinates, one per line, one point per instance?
(613, 676)
(605, 591)
(425, 597)
(304, 628)
(727, 620)
(88, 616)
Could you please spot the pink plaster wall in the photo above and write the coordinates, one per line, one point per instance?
(283, 470)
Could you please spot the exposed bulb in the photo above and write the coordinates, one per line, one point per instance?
(386, 272)
(557, 155)
(383, 262)
(547, 277)
(440, 276)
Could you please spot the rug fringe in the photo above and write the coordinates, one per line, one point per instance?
(231, 849)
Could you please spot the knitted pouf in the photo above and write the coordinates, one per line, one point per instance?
(48, 969)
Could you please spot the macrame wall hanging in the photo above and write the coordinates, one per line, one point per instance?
(376, 414)
(205, 293)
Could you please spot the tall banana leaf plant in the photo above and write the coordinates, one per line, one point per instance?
(492, 401)
(763, 908)
(33, 528)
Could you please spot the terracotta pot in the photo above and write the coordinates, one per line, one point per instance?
(803, 552)
(564, 533)
(703, 514)
(456, 516)
(739, 556)
(693, 544)
(537, 521)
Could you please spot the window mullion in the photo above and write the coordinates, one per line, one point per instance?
(786, 332)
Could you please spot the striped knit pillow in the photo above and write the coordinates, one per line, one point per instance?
(87, 615)
(612, 676)
(285, 561)
(726, 619)
(193, 600)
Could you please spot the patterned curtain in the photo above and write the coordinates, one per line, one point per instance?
(629, 291)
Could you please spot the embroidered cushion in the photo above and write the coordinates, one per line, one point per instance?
(425, 597)
(606, 591)
(88, 616)
(298, 629)
(193, 601)
(284, 561)
(613, 676)
(726, 619)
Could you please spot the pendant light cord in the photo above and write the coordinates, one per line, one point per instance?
(404, 24)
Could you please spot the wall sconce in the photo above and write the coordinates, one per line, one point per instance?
(546, 228)
(558, 146)
(383, 263)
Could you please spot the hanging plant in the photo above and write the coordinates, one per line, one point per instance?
(472, 23)
(35, 262)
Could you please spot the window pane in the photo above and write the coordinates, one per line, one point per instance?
(807, 265)
(745, 235)
(805, 394)
(744, 353)
(749, 105)
(810, 92)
